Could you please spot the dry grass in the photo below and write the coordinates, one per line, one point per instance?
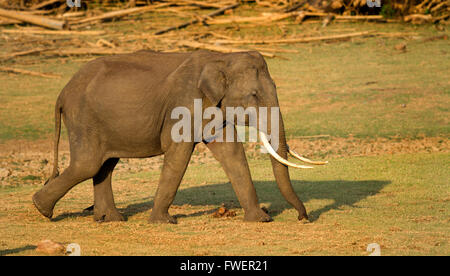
(400, 202)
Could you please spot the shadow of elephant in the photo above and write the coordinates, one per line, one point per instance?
(17, 250)
(341, 192)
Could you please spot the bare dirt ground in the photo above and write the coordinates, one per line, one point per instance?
(31, 162)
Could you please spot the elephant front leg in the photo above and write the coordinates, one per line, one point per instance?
(104, 206)
(231, 156)
(176, 160)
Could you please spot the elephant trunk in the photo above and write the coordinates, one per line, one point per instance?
(281, 172)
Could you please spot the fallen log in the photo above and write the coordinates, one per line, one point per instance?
(359, 17)
(436, 19)
(69, 15)
(418, 18)
(86, 51)
(299, 17)
(275, 50)
(196, 20)
(27, 72)
(397, 34)
(295, 40)
(344, 17)
(33, 19)
(6, 21)
(120, 13)
(421, 5)
(46, 3)
(23, 53)
(216, 48)
(197, 3)
(264, 18)
(295, 6)
(62, 32)
(38, 41)
(437, 7)
(102, 42)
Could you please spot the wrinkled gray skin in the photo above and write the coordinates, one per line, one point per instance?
(119, 107)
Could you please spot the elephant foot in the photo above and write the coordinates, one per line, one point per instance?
(162, 218)
(257, 215)
(108, 215)
(302, 216)
(42, 205)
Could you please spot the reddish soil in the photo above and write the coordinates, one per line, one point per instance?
(30, 162)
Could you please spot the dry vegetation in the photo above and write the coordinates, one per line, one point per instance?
(29, 162)
(403, 208)
(76, 22)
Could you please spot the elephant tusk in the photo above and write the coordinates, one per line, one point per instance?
(276, 156)
(306, 160)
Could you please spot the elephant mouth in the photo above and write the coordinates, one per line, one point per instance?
(275, 155)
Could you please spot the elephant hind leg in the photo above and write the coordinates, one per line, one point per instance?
(104, 206)
(81, 168)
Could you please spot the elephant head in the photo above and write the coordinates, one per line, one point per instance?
(243, 79)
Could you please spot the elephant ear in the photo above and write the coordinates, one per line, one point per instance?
(212, 81)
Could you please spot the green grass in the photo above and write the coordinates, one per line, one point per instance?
(367, 89)
(362, 87)
(401, 202)
(28, 102)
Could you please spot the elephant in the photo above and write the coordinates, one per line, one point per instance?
(119, 107)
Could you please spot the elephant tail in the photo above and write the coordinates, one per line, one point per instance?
(58, 111)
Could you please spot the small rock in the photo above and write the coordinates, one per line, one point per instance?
(401, 47)
(50, 247)
(4, 172)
